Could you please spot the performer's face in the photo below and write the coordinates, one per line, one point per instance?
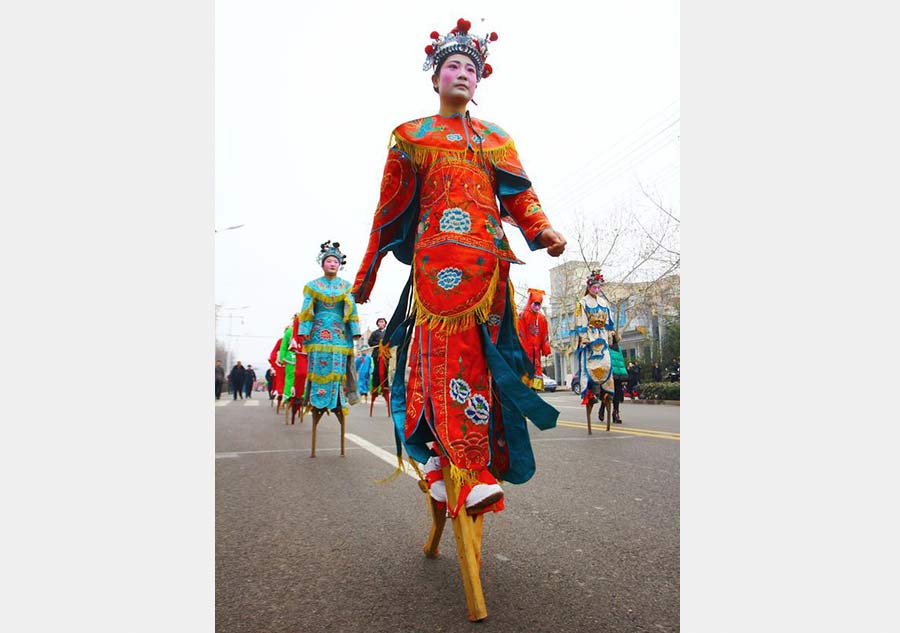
(535, 306)
(331, 265)
(594, 289)
(457, 78)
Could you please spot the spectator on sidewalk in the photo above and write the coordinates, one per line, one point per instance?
(237, 380)
(657, 372)
(634, 378)
(220, 378)
(270, 382)
(249, 380)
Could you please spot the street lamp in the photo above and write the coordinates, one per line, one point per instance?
(236, 226)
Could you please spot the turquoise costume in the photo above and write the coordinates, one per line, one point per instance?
(364, 373)
(329, 319)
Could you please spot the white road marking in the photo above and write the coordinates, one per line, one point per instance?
(251, 403)
(222, 403)
(381, 453)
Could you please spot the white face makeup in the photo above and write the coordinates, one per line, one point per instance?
(457, 77)
(331, 265)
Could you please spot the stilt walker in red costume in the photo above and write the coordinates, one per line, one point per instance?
(449, 182)
(300, 372)
(533, 331)
(278, 365)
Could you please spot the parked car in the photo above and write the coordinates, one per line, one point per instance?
(576, 385)
(549, 384)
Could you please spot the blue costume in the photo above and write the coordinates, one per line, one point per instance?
(364, 372)
(328, 317)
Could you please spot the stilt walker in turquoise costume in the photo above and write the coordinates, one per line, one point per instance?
(593, 323)
(328, 324)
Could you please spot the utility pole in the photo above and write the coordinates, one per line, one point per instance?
(229, 354)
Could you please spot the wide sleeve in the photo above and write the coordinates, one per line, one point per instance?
(545, 340)
(581, 319)
(307, 313)
(393, 224)
(351, 316)
(284, 351)
(296, 344)
(519, 204)
(273, 357)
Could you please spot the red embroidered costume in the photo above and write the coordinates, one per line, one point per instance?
(448, 183)
(534, 334)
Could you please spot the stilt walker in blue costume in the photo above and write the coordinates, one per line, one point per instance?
(449, 183)
(594, 322)
(327, 325)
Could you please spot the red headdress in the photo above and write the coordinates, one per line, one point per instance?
(535, 296)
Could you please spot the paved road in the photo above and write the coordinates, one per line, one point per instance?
(589, 544)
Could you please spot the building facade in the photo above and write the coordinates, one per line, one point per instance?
(641, 308)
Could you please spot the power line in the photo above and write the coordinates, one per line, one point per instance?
(633, 140)
(613, 171)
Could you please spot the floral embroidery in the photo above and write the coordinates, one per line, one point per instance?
(478, 410)
(449, 278)
(325, 334)
(494, 319)
(459, 390)
(456, 220)
(454, 137)
(320, 392)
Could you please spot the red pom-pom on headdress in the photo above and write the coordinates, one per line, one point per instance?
(459, 40)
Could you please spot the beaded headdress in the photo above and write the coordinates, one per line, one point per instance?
(329, 249)
(459, 41)
(595, 278)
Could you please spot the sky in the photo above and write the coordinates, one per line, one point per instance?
(307, 95)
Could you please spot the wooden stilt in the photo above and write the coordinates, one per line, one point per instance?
(608, 404)
(343, 428)
(317, 415)
(438, 519)
(468, 549)
(588, 408)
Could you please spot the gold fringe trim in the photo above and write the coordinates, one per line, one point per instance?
(326, 298)
(307, 314)
(462, 477)
(423, 154)
(321, 347)
(415, 467)
(397, 472)
(478, 313)
(327, 378)
(512, 304)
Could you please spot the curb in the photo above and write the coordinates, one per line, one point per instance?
(676, 403)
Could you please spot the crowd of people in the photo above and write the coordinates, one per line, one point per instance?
(240, 380)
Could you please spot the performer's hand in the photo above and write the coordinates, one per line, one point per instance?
(553, 241)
